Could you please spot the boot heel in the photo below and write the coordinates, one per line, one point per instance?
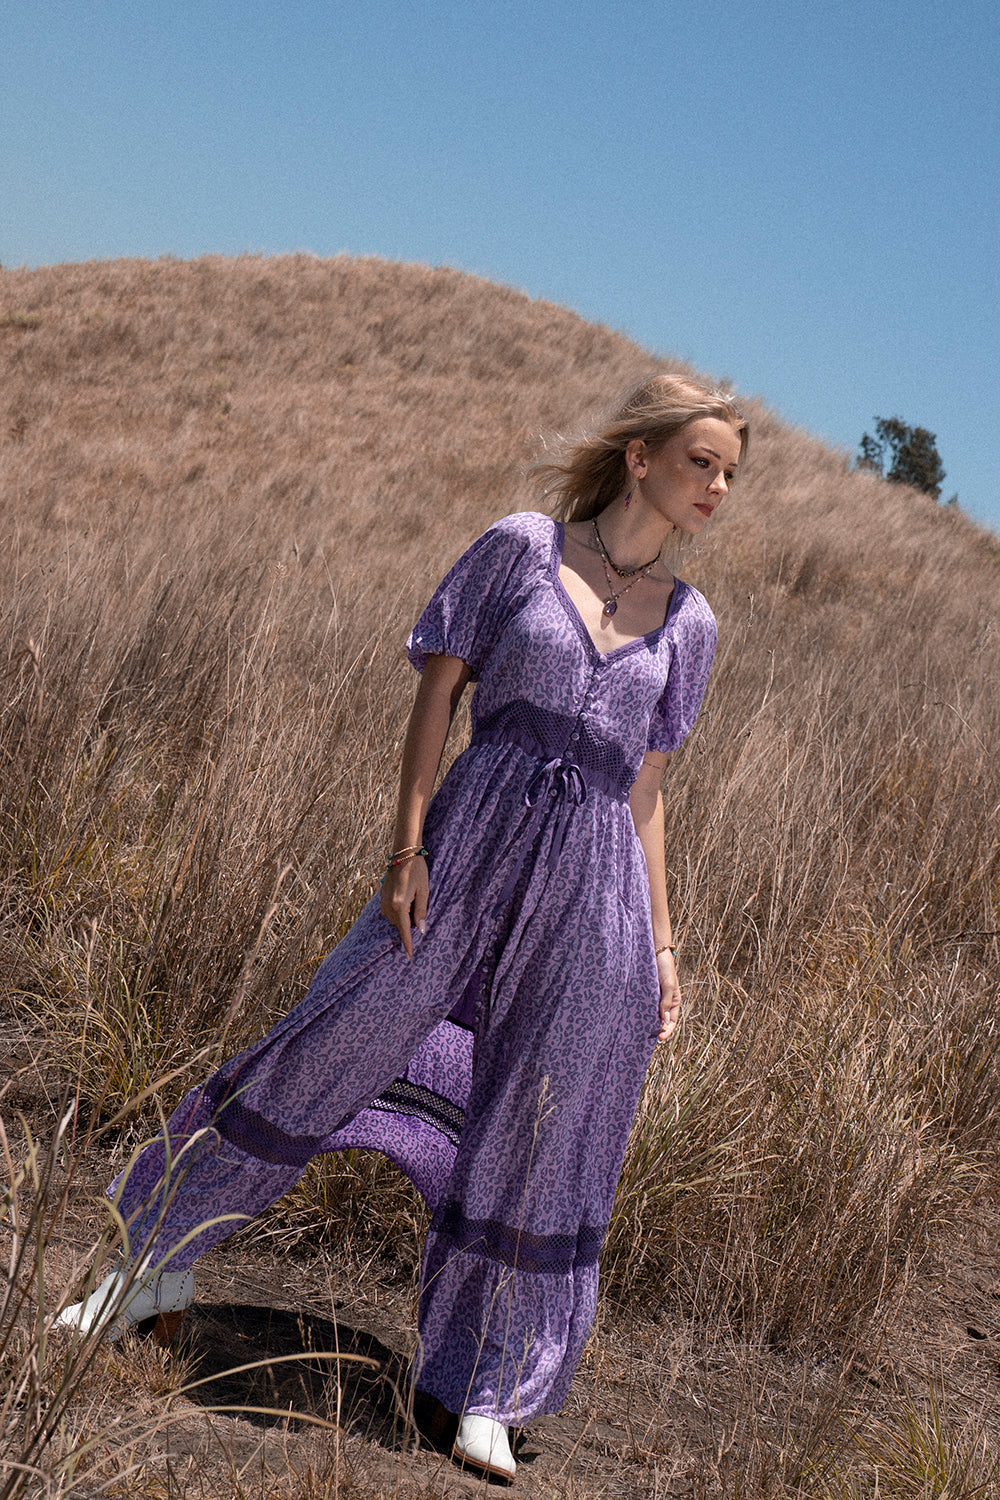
(147, 1303)
(166, 1326)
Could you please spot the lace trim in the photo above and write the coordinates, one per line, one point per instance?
(405, 1098)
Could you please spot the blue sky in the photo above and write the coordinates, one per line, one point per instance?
(802, 198)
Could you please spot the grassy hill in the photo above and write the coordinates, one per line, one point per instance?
(227, 488)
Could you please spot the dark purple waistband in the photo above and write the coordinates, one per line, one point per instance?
(573, 757)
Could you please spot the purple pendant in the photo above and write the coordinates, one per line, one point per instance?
(610, 606)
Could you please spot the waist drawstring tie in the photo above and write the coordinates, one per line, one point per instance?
(556, 778)
(562, 779)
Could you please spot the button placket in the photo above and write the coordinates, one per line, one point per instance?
(587, 699)
(584, 704)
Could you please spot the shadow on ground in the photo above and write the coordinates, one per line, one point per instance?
(304, 1366)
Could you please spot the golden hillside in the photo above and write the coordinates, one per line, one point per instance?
(346, 426)
(315, 397)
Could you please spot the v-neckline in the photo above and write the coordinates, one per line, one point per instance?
(576, 619)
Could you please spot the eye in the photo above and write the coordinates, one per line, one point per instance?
(701, 462)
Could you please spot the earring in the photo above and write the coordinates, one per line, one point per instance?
(628, 499)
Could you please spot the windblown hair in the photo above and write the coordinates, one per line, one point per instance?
(592, 472)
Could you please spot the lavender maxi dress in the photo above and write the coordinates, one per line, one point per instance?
(502, 1067)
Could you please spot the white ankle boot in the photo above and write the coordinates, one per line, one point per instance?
(162, 1295)
(483, 1443)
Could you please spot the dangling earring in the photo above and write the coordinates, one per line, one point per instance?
(633, 493)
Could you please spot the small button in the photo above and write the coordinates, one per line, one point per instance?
(574, 736)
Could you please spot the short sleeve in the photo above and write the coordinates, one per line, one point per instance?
(471, 604)
(693, 641)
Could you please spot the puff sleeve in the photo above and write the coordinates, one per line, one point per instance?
(693, 642)
(468, 610)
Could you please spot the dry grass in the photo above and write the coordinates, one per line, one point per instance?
(227, 488)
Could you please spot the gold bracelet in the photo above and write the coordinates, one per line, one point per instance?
(667, 948)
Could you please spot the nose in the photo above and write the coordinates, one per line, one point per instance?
(718, 485)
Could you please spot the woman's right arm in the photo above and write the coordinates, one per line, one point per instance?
(405, 889)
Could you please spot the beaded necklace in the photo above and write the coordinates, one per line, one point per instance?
(632, 574)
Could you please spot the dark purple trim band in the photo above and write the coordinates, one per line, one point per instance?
(592, 757)
(555, 1254)
(257, 1136)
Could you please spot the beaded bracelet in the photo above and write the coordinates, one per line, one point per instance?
(400, 858)
(667, 948)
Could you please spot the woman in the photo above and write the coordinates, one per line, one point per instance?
(489, 1019)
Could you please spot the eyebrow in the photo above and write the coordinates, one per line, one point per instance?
(718, 456)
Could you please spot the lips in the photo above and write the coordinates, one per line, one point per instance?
(705, 508)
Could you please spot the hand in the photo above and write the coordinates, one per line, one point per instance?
(404, 898)
(670, 995)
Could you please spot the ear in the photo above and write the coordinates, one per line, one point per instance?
(636, 458)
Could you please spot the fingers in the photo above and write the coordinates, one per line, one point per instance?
(405, 933)
(404, 900)
(394, 914)
(670, 1013)
(420, 906)
(668, 1025)
(670, 994)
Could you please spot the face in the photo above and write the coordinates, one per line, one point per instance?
(688, 475)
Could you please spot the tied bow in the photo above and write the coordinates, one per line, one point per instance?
(562, 779)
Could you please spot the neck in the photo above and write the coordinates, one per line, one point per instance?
(632, 536)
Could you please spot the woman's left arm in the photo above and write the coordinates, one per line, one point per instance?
(646, 802)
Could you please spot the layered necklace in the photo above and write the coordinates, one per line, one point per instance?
(632, 574)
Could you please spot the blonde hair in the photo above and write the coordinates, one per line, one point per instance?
(593, 472)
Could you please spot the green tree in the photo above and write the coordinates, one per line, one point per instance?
(906, 455)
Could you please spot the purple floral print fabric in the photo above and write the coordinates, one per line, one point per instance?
(501, 1067)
